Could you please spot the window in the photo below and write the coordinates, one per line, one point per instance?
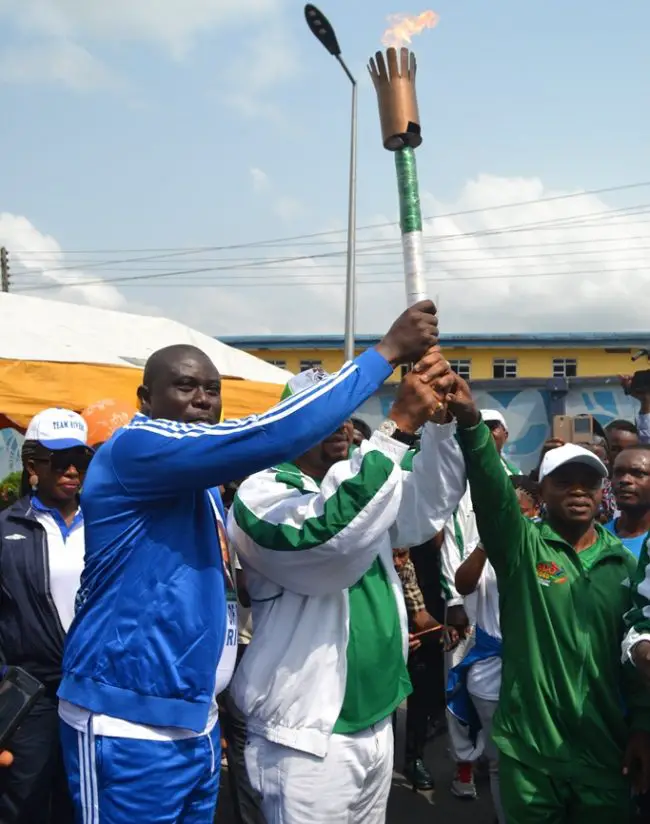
(462, 367)
(504, 368)
(310, 364)
(281, 364)
(565, 368)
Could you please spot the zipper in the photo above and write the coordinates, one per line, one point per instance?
(48, 594)
(213, 764)
(584, 580)
(585, 577)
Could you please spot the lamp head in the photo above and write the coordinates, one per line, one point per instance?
(322, 29)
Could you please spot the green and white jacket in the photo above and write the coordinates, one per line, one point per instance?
(303, 545)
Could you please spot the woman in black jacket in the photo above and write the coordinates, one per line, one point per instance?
(41, 560)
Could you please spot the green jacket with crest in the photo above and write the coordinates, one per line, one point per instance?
(567, 702)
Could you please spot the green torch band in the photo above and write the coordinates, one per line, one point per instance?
(409, 194)
(411, 223)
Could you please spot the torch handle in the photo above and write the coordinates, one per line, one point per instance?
(416, 287)
(410, 215)
(411, 225)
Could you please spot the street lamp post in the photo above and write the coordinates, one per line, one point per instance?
(322, 29)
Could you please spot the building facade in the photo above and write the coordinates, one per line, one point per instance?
(530, 378)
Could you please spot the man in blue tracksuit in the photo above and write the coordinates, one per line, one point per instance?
(155, 634)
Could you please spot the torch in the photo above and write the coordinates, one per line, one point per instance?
(393, 77)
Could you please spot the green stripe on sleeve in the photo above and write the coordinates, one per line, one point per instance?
(636, 617)
(340, 509)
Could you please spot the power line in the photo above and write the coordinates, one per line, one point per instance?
(575, 221)
(431, 257)
(367, 227)
(388, 281)
(377, 282)
(553, 223)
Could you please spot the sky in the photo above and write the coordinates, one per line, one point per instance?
(190, 159)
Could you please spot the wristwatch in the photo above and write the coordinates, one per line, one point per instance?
(390, 429)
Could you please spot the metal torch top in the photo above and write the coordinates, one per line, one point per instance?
(394, 81)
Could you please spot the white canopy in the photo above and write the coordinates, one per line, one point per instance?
(35, 329)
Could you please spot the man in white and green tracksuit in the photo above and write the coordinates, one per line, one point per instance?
(327, 664)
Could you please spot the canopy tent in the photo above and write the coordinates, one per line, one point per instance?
(63, 354)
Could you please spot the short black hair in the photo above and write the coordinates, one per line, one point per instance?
(635, 447)
(160, 361)
(622, 426)
(526, 484)
(362, 426)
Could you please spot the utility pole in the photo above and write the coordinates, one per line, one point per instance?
(4, 269)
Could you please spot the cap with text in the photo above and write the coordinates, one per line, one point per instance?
(58, 429)
(570, 453)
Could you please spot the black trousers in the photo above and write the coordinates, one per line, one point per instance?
(425, 666)
(246, 801)
(34, 790)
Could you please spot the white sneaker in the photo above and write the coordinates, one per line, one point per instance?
(463, 785)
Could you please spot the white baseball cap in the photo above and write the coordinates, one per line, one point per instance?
(494, 416)
(303, 380)
(58, 429)
(570, 453)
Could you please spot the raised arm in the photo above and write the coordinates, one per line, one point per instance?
(319, 541)
(432, 489)
(498, 516)
(469, 572)
(158, 458)
(435, 481)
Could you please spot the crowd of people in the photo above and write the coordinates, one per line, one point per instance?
(273, 589)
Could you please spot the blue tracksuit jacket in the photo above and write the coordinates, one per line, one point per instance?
(151, 611)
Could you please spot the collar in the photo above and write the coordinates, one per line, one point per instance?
(59, 520)
(288, 473)
(610, 545)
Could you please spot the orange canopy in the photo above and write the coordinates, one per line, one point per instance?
(27, 387)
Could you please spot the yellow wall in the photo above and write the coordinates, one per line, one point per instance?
(531, 363)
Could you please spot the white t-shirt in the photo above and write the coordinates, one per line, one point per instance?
(484, 678)
(65, 563)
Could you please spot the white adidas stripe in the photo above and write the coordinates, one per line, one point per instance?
(88, 776)
(167, 429)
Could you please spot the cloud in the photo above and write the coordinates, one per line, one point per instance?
(60, 39)
(266, 60)
(36, 260)
(565, 262)
(259, 179)
(56, 62)
(258, 309)
(287, 208)
(171, 24)
(560, 263)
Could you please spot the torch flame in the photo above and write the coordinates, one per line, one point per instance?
(405, 26)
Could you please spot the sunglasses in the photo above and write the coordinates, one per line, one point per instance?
(61, 460)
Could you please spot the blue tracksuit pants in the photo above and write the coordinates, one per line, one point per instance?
(135, 781)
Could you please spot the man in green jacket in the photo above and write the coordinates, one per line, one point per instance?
(572, 720)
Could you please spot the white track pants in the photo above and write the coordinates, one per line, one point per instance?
(349, 786)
